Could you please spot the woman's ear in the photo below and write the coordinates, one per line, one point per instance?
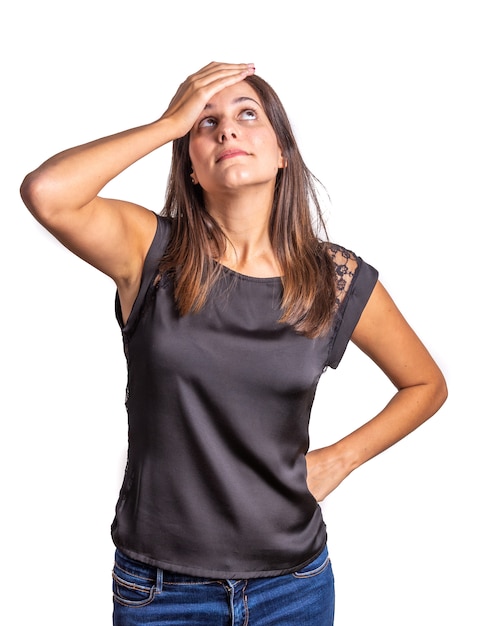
(282, 161)
(193, 177)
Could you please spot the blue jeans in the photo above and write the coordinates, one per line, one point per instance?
(145, 595)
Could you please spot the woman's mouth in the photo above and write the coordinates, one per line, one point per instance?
(229, 154)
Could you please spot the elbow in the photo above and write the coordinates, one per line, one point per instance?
(441, 392)
(36, 193)
(27, 190)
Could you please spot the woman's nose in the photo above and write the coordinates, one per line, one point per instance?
(227, 131)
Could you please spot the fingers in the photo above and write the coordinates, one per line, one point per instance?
(194, 93)
(215, 77)
(216, 71)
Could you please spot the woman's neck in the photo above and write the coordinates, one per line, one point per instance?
(244, 219)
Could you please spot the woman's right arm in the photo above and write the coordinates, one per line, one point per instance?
(114, 235)
(62, 194)
(111, 235)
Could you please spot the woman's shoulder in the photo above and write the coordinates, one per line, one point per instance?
(344, 260)
(350, 269)
(162, 235)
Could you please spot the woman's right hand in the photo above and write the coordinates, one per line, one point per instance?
(194, 93)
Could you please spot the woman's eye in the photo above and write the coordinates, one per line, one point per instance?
(248, 114)
(207, 122)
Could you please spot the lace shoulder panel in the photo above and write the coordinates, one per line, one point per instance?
(346, 264)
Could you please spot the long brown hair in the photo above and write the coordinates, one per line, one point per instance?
(296, 222)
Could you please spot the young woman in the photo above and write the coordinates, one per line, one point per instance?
(231, 306)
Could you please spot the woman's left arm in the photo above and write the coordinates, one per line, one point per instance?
(384, 335)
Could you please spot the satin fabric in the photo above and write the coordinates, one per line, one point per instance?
(218, 405)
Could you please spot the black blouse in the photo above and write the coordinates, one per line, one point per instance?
(218, 405)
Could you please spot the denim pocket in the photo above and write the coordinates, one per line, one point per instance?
(130, 590)
(316, 567)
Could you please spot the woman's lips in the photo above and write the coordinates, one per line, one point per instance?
(228, 154)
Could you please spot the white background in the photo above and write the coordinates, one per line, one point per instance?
(396, 107)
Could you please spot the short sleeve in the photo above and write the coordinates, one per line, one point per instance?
(356, 280)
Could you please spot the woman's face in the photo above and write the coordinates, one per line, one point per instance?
(232, 144)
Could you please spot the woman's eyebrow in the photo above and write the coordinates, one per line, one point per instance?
(236, 101)
(244, 98)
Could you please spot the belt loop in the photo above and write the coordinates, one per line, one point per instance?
(160, 580)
